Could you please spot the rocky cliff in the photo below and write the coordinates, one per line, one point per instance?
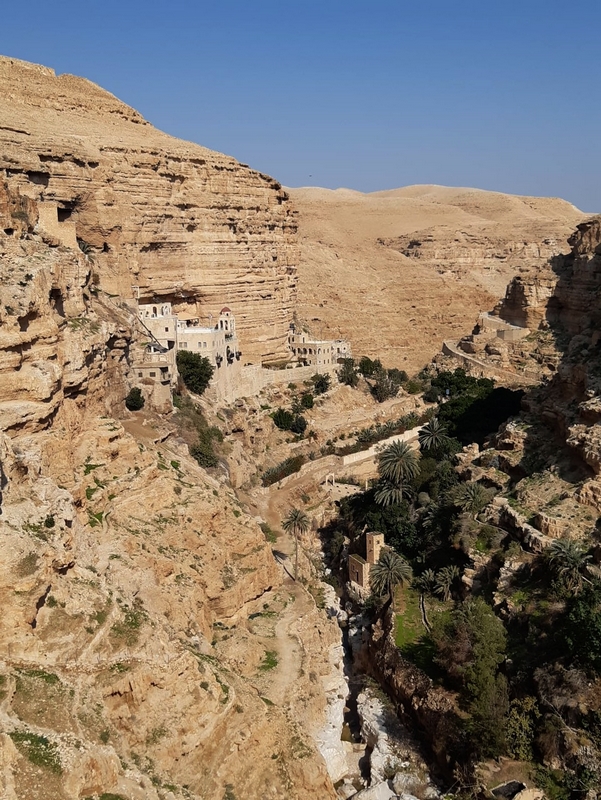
(172, 219)
(132, 659)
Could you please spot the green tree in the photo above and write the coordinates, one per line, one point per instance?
(471, 497)
(134, 400)
(321, 383)
(297, 523)
(347, 373)
(568, 561)
(397, 463)
(471, 647)
(445, 578)
(388, 493)
(390, 571)
(433, 435)
(196, 371)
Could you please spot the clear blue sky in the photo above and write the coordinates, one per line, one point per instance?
(497, 94)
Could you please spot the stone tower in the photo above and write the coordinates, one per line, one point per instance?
(374, 542)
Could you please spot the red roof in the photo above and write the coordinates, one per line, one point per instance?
(224, 309)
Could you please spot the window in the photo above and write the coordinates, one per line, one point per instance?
(166, 330)
(200, 344)
(152, 374)
(139, 374)
(185, 345)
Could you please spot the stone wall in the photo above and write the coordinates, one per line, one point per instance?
(251, 379)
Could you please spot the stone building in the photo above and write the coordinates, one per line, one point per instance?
(169, 332)
(358, 566)
(316, 352)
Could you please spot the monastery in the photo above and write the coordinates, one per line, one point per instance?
(167, 331)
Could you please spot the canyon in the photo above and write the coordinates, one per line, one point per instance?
(153, 642)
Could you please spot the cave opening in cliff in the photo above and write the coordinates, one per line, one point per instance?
(63, 213)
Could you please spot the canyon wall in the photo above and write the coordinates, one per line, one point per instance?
(132, 663)
(159, 217)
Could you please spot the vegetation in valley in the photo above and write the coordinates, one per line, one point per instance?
(514, 656)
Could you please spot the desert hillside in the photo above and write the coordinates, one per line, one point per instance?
(402, 270)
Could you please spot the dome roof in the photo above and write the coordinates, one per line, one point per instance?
(224, 309)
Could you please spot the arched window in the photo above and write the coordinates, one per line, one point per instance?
(154, 311)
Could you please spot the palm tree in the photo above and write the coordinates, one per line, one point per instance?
(426, 581)
(471, 497)
(297, 523)
(568, 559)
(398, 463)
(433, 435)
(445, 578)
(389, 572)
(388, 493)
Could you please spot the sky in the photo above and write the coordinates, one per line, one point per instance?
(363, 94)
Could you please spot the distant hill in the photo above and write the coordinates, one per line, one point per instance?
(400, 270)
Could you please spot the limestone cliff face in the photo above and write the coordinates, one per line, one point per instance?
(172, 218)
(559, 304)
(129, 579)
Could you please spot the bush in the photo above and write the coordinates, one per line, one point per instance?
(134, 400)
(307, 400)
(413, 387)
(299, 425)
(196, 371)
(347, 373)
(367, 367)
(202, 451)
(321, 383)
(398, 376)
(384, 388)
(283, 419)
(285, 468)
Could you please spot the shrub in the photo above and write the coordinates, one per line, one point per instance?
(321, 383)
(196, 371)
(134, 400)
(285, 468)
(283, 419)
(367, 367)
(307, 400)
(299, 425)
(384, 388)
(413, 387)
(347, 373)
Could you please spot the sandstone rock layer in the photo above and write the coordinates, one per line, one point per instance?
(174, 219)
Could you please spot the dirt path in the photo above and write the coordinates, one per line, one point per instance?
(287, 644)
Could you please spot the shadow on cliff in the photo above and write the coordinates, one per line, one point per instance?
(573, 319)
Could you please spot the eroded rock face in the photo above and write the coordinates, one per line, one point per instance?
(174, 219)
(129, 576)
